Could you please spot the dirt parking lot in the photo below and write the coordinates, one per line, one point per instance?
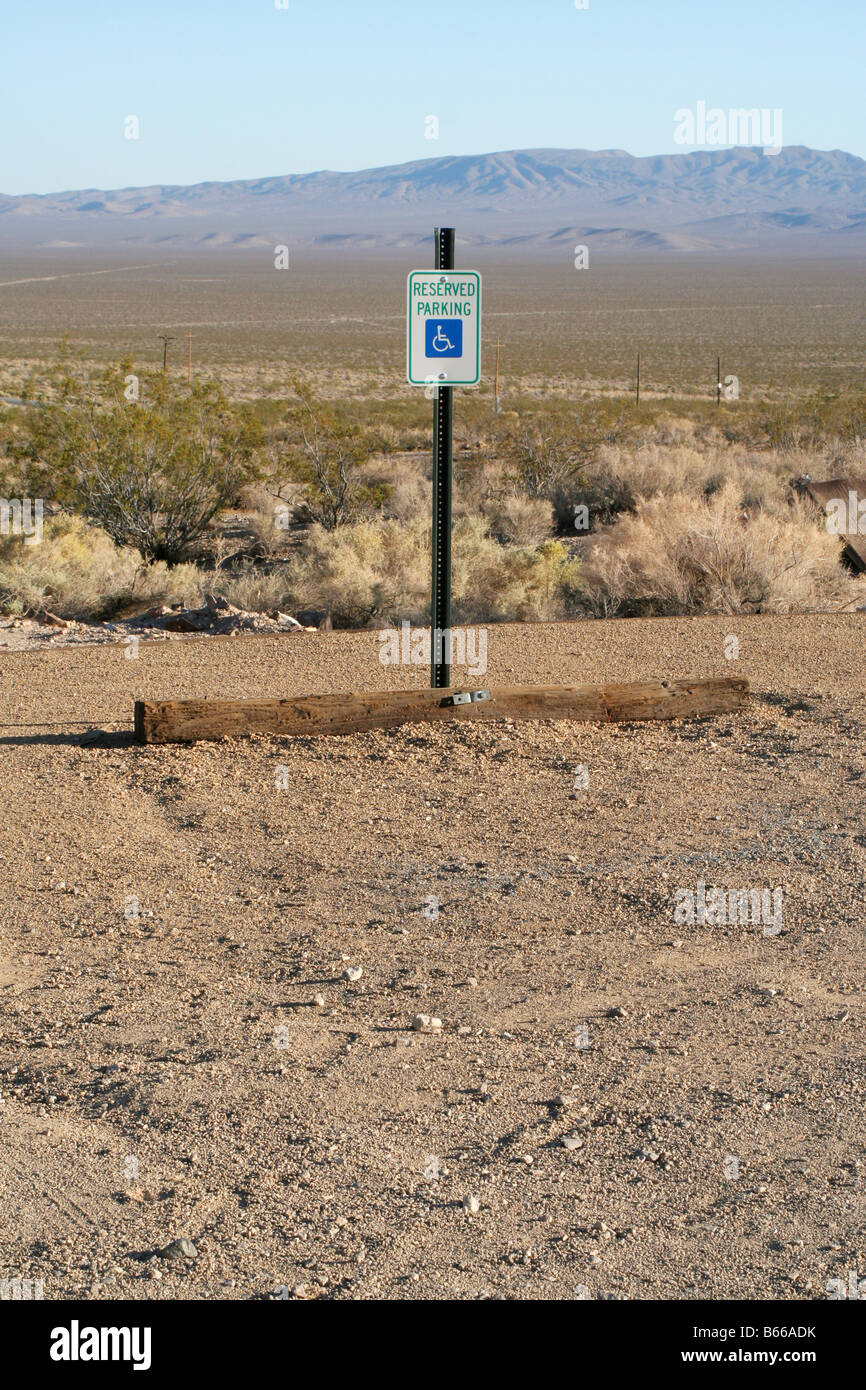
(620, 1103)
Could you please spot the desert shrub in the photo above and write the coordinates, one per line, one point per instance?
(363, 571)
(404, 484)
(269, 512)
(255, 590)
(380, 572)
(480, 482)
(387, 438)
(268, 411)
(77, 571)
(679, 555)
(823, 420)
(605, 490)
(151, 471)
(410, 494)
(517, 520)
(327, 453)
(669, 429)
(553, 459)
(263, 521)
(543, 463)
(498, 583)
(620, 477)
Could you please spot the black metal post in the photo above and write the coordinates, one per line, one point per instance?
(443, 468)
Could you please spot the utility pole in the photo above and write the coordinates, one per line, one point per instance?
(637, 391)
(496, 405)
(718, 381)
(443, 468)
(189, 358)
(165, 340)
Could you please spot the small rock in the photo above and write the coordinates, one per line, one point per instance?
(319, 1001)
(353, 973)
(572, 1141)
(180, 1250)
(471, 1205)
(426, 1023)
(617, 1012)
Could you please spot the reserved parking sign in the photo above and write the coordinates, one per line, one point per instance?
(444, 327)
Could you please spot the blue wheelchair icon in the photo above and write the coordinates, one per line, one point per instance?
(443, 338)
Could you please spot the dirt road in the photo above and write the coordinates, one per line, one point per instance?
(639, 1106)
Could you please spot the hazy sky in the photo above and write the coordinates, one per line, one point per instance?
(229, 89)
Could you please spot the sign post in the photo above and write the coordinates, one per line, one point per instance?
(444, 351)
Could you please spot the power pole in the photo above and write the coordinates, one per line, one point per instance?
(718, 381)
(637, 391)
(443, 468)
(496, 405)
(189, 358)
(165, 340)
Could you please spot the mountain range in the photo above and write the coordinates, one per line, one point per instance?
(782, 202)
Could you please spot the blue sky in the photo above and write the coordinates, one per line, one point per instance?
(229, 89)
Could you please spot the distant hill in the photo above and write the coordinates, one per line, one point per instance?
(720, 200)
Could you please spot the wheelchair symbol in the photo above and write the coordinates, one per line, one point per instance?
(443, 338)
(441, 342)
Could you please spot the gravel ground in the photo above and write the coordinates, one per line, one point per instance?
(618, 1104)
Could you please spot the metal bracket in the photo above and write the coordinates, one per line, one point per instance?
(465, 697)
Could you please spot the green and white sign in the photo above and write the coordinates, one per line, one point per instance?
(444, 329)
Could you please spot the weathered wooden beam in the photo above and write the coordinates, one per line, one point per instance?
(185, 721)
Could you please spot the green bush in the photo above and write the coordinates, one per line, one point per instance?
(149, 462)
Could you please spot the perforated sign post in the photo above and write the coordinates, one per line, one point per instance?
(443, 351)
